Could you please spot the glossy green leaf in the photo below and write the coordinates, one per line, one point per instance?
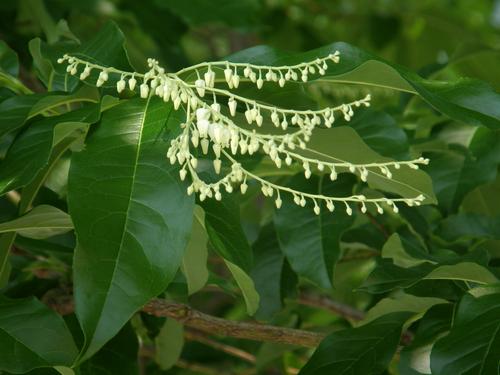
(41, 222)
(31, 150)
(131, 214)
(311, 242)
(32, 336)
(169, 344)
(364, 350)
(194, 262)
(473, 344)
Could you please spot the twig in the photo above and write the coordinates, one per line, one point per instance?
(242, 330)
(377, 224)
(195, 367)
(228, 349)
(338, 308)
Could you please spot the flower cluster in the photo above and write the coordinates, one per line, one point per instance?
(213, 125)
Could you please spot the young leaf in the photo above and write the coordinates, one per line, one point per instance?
(41, 222)
(194, 262)
(169, 344)
(132, 217)
(401, 302)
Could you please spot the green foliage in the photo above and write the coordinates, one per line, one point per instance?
(95, 221)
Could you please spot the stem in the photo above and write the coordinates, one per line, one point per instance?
(242, 330)
(228, 349)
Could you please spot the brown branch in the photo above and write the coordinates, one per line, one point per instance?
(337, 308)
(242, 330)
(228, 349)
(377, 224)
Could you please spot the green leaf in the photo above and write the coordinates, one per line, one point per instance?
(343, 144)
(465, 100)
(380, 132)
(132, 217)
(118, 356)
(473, 344)
(467, 226)
(29, 193)
(401, 302)
(364, 350)
(222, 222)
(41, 222)
(457, 171)
(32, 336)
(311, 242)
(106, 48)
(9, 63)
(416, 357)
(247, 287)
(271, 273)
(169, 344)
(15, 111)
(393, 249)
(31, 150)
(194, 262)
(388, 276)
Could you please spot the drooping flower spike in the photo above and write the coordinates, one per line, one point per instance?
(208, 127)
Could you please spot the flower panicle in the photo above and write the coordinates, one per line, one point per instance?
(212, 129)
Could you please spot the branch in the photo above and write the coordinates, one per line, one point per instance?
(337, 308)
(228, 349)
(222, 327)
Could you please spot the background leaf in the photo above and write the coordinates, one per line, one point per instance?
(41, 222)
(32, 336)
(473, 343)
(311, 242)
(365, 350)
